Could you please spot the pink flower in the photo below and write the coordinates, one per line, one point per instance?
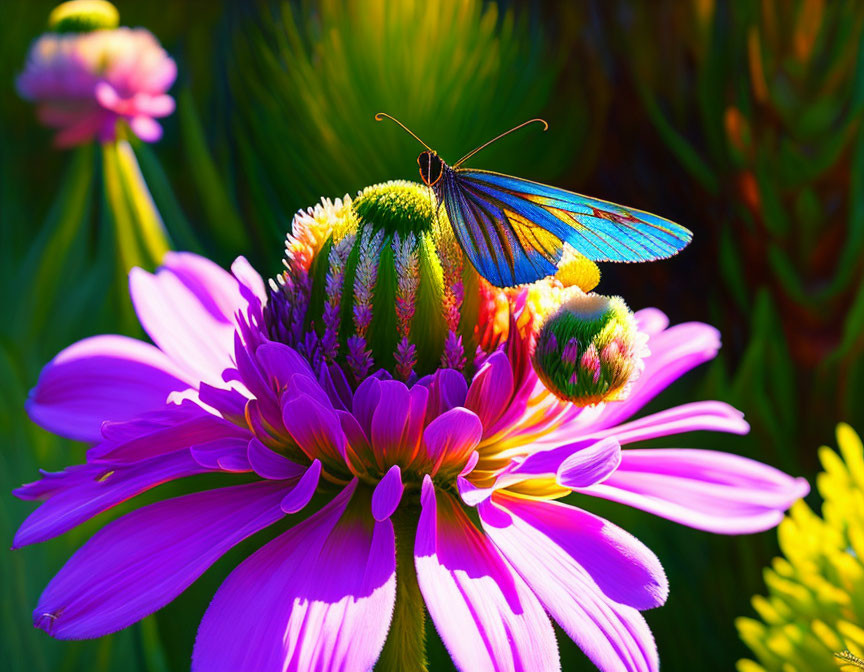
(218, 393)
(84, 83)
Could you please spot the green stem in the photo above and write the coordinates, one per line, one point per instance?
(406, 644)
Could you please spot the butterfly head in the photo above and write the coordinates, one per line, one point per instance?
(431, 167)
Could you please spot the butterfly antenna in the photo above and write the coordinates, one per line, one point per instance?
(381, 116)
(486, 144)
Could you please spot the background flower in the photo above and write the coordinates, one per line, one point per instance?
(813, 608)
(86, 81)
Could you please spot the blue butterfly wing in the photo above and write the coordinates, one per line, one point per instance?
(531, 221)
(503, 246)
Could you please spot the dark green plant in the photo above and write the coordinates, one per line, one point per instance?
(308, 79)
(762, 104)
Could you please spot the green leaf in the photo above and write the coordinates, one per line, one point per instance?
(59, 247)
(686, 153)
(732, 270)
(223, 222)
(165, 200)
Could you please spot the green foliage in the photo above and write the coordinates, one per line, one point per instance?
(763, 108)
(308, 80)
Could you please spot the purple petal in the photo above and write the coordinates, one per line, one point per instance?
(106, 95)
(389, 419)
(486, 615)
(355, 435)
(53, 482)
(270, 435)
(491, 389)
(185, 323)
(590, 465)
(155, 105)
(281, 362)
(102, 378)
(575, 465)
(189, 430)
(397, 423)
(229, 403)
(301, 494)
(709, 416)
(651, 321)
(300, 383)
(270, 464)
(81, 492)
(315, 429)
(142, 561)
(214, 287)
(561, 553)
(251, 283)
(388, 494)
(674, 352)
(252, 376)
(332, 380)
(473, 459)
(622, 567)
(228, 454)
(234, 462)
(709, 490)
(167, 415)
(365, 402)
(323, 592)
(146, 128)
(451, 438)
(546, 463)
(447, 389)
(470, 493)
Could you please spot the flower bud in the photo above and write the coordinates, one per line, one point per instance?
(589, 349)
(83, 16)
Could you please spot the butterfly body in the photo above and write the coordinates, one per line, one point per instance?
(431, 168)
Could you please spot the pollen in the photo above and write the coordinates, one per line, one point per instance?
(398, 206)
(576, 270)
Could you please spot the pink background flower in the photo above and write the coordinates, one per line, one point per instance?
(84, 83)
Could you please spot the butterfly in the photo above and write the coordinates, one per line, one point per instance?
(514, 230)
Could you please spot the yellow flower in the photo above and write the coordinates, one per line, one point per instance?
(815, 602)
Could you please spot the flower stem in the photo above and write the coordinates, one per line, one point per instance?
(405, 648)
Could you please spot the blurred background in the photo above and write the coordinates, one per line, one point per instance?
(739, 119)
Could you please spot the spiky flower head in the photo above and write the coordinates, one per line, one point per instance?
(375, 282)
(589, 349)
